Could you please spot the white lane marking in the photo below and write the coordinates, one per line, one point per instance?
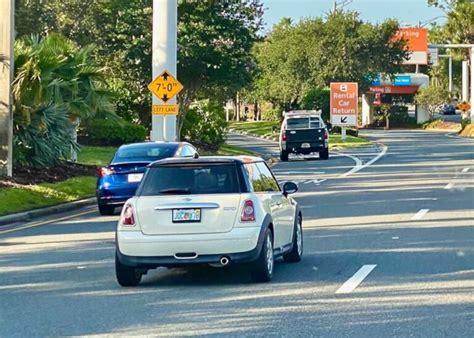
(418, 199)
(355, 280)
(420, 214)
(297, 172)
(314, 181)
(395, 237)
(359, 166)
(449, 186)
(465, 170)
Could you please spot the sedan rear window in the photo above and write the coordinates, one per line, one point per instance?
(144, 153)
(188, 180)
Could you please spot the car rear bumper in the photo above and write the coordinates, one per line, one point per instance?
(313, 147)
(239, 245)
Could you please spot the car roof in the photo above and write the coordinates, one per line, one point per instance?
(151, 145)
(206, 160)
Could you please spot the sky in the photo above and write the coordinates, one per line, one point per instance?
(408, 12)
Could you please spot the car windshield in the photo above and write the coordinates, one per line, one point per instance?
(144, 153)
(196, 179)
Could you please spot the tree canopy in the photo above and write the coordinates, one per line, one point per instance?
(294, 58)
(214, 42)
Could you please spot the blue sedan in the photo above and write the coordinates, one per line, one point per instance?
(120, 179)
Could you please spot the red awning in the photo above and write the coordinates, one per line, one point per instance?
(393, 89)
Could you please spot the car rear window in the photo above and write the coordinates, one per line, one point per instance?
(303, 123)
(297, 123)
(144, 153)
(189, 180)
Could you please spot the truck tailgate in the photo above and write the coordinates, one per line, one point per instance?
(305, 135)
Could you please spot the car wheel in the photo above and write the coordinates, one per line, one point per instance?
(284, 156)
(127, 275)
(324, 155)
(262, 269)
(297, 250)
(106, 210)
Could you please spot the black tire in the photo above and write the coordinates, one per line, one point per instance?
(127, 275)
(297, 251)
(284, 155)
(106, 210)
(324, 155)
(262, 269)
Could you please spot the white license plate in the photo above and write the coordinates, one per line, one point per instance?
(186, 215)
(305, 145)
(135, 177)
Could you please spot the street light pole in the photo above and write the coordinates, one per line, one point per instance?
(165, 23)
(6, 78)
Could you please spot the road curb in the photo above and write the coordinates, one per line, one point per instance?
(271, 161)
(56, 209)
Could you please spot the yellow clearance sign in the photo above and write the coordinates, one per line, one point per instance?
(344, 103)
(165, 86)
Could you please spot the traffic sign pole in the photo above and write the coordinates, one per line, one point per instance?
(165, 23)
(343, 134)
(472, 84)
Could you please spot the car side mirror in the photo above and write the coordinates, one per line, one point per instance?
(196, 155)
(289, 188)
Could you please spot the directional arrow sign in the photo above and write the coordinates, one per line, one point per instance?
(165, 86)
(344, 103)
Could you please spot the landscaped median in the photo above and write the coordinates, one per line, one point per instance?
(271, 130)
(34, 189)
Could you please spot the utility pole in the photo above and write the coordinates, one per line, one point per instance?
(165, 23)
(7, 7)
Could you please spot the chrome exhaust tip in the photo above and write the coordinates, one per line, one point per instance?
(224, 261)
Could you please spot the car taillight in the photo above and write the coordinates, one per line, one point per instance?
(127, 218)
(248, 212)
(104, 172)
(283, 135)
(326, 135)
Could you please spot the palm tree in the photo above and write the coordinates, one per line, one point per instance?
(54, 77)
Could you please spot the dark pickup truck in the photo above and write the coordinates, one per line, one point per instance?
(303, 133)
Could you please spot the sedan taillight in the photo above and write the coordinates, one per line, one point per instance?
(283, 135)
(248, 212)
(127, 218)
(101, 172)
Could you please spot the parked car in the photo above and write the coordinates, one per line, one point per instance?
(303, 132)
(447, 109)
(210, 210)
(118, 181)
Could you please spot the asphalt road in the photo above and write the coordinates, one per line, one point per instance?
(389, 251)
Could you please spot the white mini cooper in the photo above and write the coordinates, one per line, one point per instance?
(209, 210)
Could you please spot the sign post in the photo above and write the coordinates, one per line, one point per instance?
(165, 22)
(344, 105)
(6, 79)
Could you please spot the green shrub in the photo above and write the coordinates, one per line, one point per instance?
(204, 125)
(433, 123)
(46, 140)
(465, 122)
(317, 99)
(351, 132)
(397, 115)
(111, 133)
(270, 112)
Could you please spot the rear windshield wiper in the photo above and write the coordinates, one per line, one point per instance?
(175, 191)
